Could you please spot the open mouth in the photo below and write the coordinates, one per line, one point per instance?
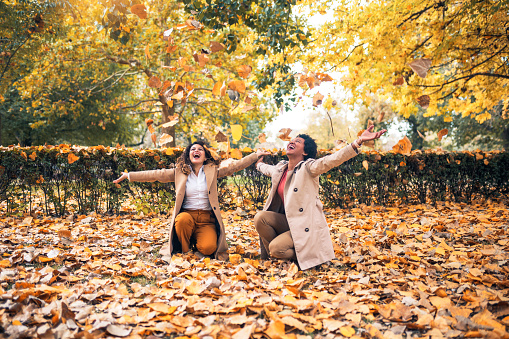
(291, 146)
(196, 156)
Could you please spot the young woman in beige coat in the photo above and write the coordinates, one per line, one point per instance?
(292, 224)
(196, 216)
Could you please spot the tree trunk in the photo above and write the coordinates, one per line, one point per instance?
(167, 113)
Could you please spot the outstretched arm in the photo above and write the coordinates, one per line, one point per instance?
(264, 168)
(335, 159)
(162, 175)
(240, 164)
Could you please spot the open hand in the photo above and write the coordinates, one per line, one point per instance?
(261, 153)
(122, 178)
(368, 134)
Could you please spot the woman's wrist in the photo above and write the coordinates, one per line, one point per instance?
(357, 143)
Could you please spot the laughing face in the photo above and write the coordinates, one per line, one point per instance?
(197, 155)
(296, 147)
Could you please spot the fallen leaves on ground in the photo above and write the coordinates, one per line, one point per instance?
(412, 271)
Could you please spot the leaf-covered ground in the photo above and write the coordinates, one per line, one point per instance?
(413, 271)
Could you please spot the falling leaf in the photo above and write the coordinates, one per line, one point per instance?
(147, 52)
(167, 33)
(154, 82)
(423, 101)
(244, 71)
(420, 66)
(365, 164)
(442, 133)
(178, 96)
(262, 138)
(236, 153)
(216, 90)
(404, 146)
(174, 119)
(216, 46)
(420, 134)
(33, 156)
(72, 158)
(165, 139)
(221, 137)
(380, 117)
(153, 136)
(317, 99)
(140, 10)
(284, 134)
(236, 132)
(237, 85)
(399, 81)
(151, 128)
(202, 59)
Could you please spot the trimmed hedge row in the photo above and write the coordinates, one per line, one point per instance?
(64, 178)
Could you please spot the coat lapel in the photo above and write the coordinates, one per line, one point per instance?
(209, 174)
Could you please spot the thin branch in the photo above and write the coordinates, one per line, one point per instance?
(415, 15)
(12, 56)
(349, 54)
(134, 113)
(139, 103)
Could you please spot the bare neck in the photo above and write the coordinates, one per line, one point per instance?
(196, 168)
(293, 161)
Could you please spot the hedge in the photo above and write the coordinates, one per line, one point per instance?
(70, 179)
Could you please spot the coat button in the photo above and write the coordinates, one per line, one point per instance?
(209, 192)
(301, 209)
(306, 229)
(214, 207)
(295, 189)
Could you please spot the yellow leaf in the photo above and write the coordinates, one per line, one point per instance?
(236, 153)
(147, 52)
(33, 156)
(365, 164)
(162, 307)
(5, 263)
(236, 132)
(169, 151)
(16, 322)
(347, 331)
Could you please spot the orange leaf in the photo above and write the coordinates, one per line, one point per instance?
(154, 82)
(442, 133)
(149, 122)
(217, 88)
(399, 81)
(244, 71)
(147, 53)
(404, 146)
(171, 49)
(140, 10)
(216, 46)
(72, 158)
(154, 139)
(174, 119)
(151, 128)
(202, 59)
(178, 96)
(165, 139)
(284, 134)
(380, 117)
(324, 77)
(317, 99)
(276, 329)
(162, 307)
(423, 100)
(262, 138)
(237, 85)
(33, 156)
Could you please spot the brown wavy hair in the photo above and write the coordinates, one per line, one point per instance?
(184, 163)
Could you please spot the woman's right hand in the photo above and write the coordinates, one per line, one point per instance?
(122, 178)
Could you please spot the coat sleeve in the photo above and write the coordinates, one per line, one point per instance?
(236, 165)
(324, 164)
(162, 175)
(266, 169)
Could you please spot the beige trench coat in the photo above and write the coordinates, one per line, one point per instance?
(212, 172)
(303, 208)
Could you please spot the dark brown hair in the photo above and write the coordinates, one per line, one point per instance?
(184, 163)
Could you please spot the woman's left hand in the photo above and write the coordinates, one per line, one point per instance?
(368, 134)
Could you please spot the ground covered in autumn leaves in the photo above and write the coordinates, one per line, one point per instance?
(413, 271)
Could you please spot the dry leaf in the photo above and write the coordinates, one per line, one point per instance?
(262, 138)
(154, 82)
(221, 137)
(154, 139)
(140, 10)
(284, 134)
(317, 99)
(380, 117)
(399, 81)
(237, 85)
(165, 139)
(216, 46)
(244, 71)
(442, 133)
(365, 164)
(72, 158)
(423, 101)
(420, 66)
(147, 52)
(174, 119)
(404, 146)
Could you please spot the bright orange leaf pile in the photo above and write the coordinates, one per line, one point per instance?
(413, 271)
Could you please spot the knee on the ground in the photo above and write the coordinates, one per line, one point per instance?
(206, 249)
(183, 219)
